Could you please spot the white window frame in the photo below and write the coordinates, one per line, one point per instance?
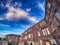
(46, 31)
(41, 43)
(53, 41)
(42, 23)
(48, 5)
(43, 32)
(58, 13)
(29, 35)
(39, 34)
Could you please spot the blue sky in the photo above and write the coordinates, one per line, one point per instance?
(18, 15)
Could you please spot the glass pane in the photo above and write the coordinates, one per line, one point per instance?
(41, 43)
(39, 34)
(53, 41)
(42, 23)
(58, 14)
(48, 5)
(48, 31)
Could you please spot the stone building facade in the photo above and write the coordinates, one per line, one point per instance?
(12, 39)
(47, 31)
(53, 17)
(39, 34)
(3, 41)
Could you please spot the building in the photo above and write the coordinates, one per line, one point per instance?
(47, 31)
(12, 39)
(3, 41)
(53, 17)
(39, 34)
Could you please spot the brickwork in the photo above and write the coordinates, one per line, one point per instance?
(47, 31)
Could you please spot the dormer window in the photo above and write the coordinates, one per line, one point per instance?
(48, 5)
(58, 13)
(42, 23)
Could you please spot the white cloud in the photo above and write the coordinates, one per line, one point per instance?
(1, 35)
(14, 14)
(19, 4)
(2, 5)
(5, 32)
(8, 1)
(2, 18)
(32, 19)
(4, 25)
(41, 6)
(28, 9)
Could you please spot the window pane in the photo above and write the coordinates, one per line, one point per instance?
(39, 34)
(56, 21)
(43, 32)
(41, 43)
(48, 5)
(58, 14)
(47, 30)
(42, 23)
(32, 35)
(29, 35)
(53, 41)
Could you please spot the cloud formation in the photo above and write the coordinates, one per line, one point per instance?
(15, 15)
(4, 25)
(28, 9)
(2, 5)
(2, 18)
(41, 6)
(17, 4)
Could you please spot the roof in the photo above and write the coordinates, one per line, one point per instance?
(12, 35)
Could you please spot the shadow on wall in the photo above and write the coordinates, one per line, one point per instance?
(9, 44)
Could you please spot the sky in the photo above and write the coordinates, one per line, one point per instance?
(16, 16)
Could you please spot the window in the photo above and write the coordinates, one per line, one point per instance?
(53, 27)
(42, 23)
(32, 35)
(47, 43)
(53, 41)
(45, 31)
(37, 26)
(39, 34)
(25, 32)
(29, 35)
(48, 5)
(20, 38)
(25, 37)
(10, 40)
(58, 13)
(30, 29)
(8, 37)
(56, 21)
(41, 43)
(16, 38)
(48, 11)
